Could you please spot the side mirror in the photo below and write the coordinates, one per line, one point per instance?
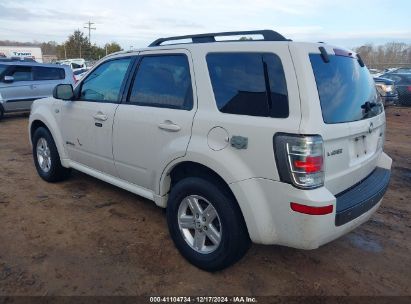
(63, 91)
(8, 79)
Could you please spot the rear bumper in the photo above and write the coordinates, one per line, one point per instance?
(360, 198)
(266, 208)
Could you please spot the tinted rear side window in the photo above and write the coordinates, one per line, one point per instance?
(21, 73)
(163, 81)
(249, 84)
(43, 73)
(347, 91)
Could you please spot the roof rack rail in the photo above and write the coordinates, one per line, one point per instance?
(268, 35)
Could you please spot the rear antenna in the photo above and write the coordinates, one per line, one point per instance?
(324, 54)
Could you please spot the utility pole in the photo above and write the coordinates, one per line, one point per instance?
(89, 27)
(65, 52)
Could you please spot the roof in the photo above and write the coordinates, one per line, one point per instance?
(187, 46)
(33, 63)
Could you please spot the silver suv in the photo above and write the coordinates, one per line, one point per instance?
(270, 141)
(23, 82)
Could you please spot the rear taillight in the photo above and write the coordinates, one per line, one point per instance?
(409, 88)
(75, 80)
(300, 160)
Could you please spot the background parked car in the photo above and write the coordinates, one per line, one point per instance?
(16, 59)
(403, 85)
(23, 82)
(387, 90)
(76, 63)
(79, 73)
(400, 70)
(375, 72)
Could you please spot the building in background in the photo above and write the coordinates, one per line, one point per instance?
(49, 58)
(22, 52)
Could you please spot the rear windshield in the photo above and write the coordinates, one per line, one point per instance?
(347, 91)
(45, 73)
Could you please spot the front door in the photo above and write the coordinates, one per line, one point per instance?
(87, 122)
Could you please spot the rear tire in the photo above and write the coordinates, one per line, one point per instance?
(46, 157)
(217, 237)
(1, 113)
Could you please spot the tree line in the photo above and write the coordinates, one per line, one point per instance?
(77, 45)
(393, 54)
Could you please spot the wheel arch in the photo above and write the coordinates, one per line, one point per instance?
(35, 125)
(185, 168)
(36, 121)
(194, 169)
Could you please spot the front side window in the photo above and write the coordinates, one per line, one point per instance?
(104, 83)
(43, 73)
(249, 84)
(21, 73)
(163, 81)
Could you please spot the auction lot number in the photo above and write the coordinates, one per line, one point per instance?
(202, 300)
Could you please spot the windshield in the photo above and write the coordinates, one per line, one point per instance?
(347, 91)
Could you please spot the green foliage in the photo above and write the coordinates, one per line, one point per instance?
(113, 47)
(76, 46)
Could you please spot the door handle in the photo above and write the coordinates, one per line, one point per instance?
(168, 125)
(100, 117)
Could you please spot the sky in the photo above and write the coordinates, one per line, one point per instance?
(135, 23)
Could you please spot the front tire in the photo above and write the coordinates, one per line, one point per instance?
(46, 157)
(206, 224)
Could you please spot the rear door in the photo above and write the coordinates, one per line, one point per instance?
(153, 127)
(340, 102)
(19, 93)
(249, 94)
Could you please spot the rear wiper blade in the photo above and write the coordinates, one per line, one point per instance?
(367, 106)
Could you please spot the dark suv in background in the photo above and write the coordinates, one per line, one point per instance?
(403, 85)
(387, 90)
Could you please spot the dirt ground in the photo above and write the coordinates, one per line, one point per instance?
(86, 237)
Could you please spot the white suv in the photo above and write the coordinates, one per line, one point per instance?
(269, 141)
